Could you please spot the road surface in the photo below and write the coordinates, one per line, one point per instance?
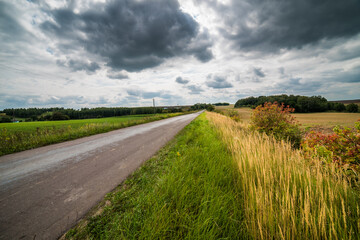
(45, 191)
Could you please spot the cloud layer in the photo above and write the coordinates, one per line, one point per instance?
(181, 80)
(218, 82)
(93, 53)
(255, 25)
(130, 35)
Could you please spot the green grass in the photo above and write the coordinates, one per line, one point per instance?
(32, 126)
(15, 137)
(189, 190)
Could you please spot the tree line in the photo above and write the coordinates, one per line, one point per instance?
(301, 104)
(42, 114)
(221, 104)
(200, 106)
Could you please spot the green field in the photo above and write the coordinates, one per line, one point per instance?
(15, 137)
(33, 126)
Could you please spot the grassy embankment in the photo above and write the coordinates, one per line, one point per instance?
(189, 190)
(286, 196)
(15, 137)
(252, 187)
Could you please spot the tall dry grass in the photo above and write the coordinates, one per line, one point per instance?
(284, 195)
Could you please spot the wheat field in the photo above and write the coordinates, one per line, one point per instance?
(327, 119)
(320, 121)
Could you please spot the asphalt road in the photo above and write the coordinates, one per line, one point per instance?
(45, 191)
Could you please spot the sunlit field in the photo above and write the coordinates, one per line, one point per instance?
(327, 119)
(324, 120)
(244, 113)
(225, 107)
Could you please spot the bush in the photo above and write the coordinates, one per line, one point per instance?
(339, 107)
(200, 106)
(5, 119)
(234, 115)
(210, 108)
(275, 119)
(352, 107)
(59, 116)
(341, 147)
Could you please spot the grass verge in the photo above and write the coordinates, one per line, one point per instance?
(287, 196)
(24, 136)
(189, 190)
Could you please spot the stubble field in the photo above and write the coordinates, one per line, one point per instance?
(324, 121)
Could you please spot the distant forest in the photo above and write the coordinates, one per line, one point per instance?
(221, 104)
(302, 104)
(45, 114)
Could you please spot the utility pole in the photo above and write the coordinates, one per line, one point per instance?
(154, 105)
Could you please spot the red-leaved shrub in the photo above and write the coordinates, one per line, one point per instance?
(341, 147)
(275, 119)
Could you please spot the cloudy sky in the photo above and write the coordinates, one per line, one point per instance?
(89, 53)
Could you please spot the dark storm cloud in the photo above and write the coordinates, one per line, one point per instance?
(138, 93)
(344, 53)
(7, 101)
(256, 25)
(201, 48)
(259, 73)
(345, 76)
(74, 65)
(194, 89)
(131, 35)
(282, 71)
(181, 80)
(11, 29)
(297, 86)
(149, 95)
(134, 92)
(218, 82)
(169, 96)
(118, 76)
(203, 55)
